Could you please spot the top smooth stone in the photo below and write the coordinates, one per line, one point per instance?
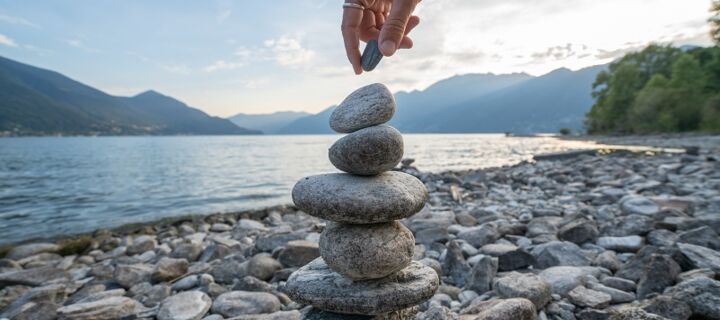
(347, 198)
(366, 107)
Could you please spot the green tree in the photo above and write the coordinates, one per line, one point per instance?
(715, 21)
(652, 110)
(711, 115)
(687, 84)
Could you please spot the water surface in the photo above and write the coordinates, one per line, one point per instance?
(55, 186)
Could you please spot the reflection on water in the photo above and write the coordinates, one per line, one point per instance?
(53, 186)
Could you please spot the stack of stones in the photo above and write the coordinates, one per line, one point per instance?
(366, 265)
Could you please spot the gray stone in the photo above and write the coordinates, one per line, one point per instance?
(621, 244)
(585, 297)
(635, 314)
(480, 235)
(371, 56)
(279, 315)
(298, 253)
(128, 275)
(32, 277)
(368, 151)
(31, 249)
(578, 231)
(528, 286)
(168, 269)
(510, 257)
(702, 236)
(262, 267)
(482, 274)
(368, 106)
(701, 257)
(360, 200)
(237, 303)
(455, 267)
(619, 283)
(563, 279)
(628, 226)
(668, 307)
(695, 273)
(108, 308)
(608, 260)
(634, 268)
(639, 205)
(508, 309)
(661, 237)
(592, 314)
(701, 294)
(556, 253)
(660, 273)
(190, 305)
(141, 244)
(617, 296)
(186, 283)
(363, 252)
(187, 251)
(316, 284)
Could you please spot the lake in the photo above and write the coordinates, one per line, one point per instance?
(51, 186)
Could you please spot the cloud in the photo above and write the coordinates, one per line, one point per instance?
(80, 45)
(16, 21)
(7, 41)
(221, 65)
(288, 51)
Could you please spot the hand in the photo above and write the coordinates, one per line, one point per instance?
(389, 21)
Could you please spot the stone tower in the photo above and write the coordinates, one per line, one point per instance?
(366, 265)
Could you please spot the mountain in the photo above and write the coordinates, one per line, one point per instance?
(36, 101)
(267, 123)
(486, 103)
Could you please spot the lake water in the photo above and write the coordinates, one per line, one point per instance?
(56, 186)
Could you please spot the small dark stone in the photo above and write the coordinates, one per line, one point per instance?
(371, 56)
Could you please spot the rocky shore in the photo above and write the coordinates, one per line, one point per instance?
(614, 236)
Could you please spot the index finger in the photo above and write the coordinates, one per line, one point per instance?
(352, 18)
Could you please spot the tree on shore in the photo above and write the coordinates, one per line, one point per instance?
(715, 21)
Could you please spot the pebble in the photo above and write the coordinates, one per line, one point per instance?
(363, 252)
(368, 106)
(371, 56)
(585, 297)
(360, 200)
(316, 284)
(528, 286)
(369, 151)
(189, 305)
(239, 303)
(108, 308)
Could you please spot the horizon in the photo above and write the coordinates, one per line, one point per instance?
(206, 56)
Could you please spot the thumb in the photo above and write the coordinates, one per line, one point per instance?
(393, 30)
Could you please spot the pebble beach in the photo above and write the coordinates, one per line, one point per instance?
(619, 235)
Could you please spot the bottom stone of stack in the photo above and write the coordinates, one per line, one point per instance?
(317, 285)
(317, 314)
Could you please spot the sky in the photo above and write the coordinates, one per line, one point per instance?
(227, 57)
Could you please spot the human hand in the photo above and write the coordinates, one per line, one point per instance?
(389, 21)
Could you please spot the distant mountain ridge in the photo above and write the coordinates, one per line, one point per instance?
(267, 123)
(35, 101)
(486, 103)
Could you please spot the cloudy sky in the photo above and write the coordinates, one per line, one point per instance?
(227, 57)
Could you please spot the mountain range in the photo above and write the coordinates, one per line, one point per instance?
(35, 101)
(485, 103)
(267, 123)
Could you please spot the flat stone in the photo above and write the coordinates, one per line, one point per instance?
(520, 285)
(31, 249)
(128, 275)
(585, 297)
(108, 308)
(564, 279)
(510, 257)
(507, 309)
(189, 305)
(298, 253)
(168, 269)
(578, 231)
(616, 296)
(621, 244)
(638, 205)
(316, 284)
(365, 107)
(556, 253)
(371, 56)
(701, 294)
(480, 235)
(32, 277)
(659, 274)
(369, 151)
(482, 274)
(238, 303)
(354, 199)
(363, 252)
(701, 257)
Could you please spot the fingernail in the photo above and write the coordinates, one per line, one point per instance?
(388, 47)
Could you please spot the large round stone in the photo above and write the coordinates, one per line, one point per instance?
(368, 151)
(363, 252)
(354, 199)
(368, 106)
(316, 284)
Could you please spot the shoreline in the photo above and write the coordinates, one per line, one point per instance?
(666, 143)
(588, 237)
